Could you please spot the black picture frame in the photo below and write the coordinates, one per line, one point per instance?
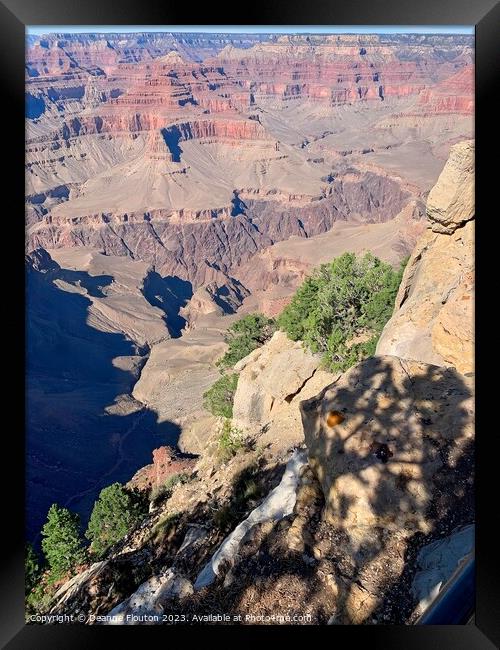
(485, 16)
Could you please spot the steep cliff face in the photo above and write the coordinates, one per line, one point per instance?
(433, 317)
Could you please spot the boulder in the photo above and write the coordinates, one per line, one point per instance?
(391, 443)
(269, 379)
(402, 429)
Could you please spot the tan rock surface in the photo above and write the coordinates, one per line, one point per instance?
(433, 316)
(451, 201)
(380, 465)
(273, 379)
(270, 376)
(453, 331)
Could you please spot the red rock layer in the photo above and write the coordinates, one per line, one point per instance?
(452, 95)
(166, 463)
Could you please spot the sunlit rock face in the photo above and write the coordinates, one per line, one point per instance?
(434, 312)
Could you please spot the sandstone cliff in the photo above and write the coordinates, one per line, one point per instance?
(272, 381)
(433, 316)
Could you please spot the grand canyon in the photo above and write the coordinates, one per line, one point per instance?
(176, 182)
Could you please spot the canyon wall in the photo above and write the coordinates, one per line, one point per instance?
(193, 153)
(177, 180)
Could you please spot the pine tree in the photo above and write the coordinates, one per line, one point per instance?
(115, 513)
(248, 333)
(62, 543)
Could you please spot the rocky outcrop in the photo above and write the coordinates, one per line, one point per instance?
(450, 203)
(272, 381)
(248, 535)
(166, 463)
(391, 442)
(433, 316)
(271, 374)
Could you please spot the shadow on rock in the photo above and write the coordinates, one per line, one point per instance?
(396, 469)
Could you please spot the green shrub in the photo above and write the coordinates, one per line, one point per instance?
(230, 441)
(218, 399)
(31, 568)
(165, 491)
(165, 527)
(116, 512)
(342, 308)
(225, 517)
(39, 598)
(62, 543)
(244, 336)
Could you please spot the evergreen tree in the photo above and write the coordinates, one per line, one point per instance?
(342, 308)
(244, 336)
(62, 542)
(116, 512)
